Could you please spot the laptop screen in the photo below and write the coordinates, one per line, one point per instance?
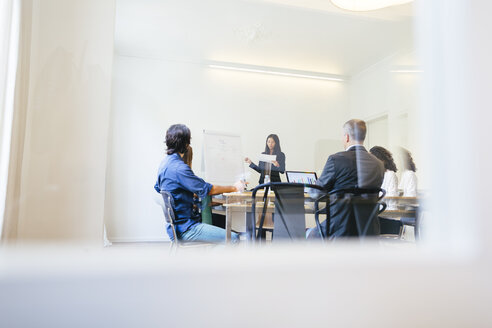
(301, 177)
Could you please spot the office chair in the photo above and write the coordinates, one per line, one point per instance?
(289, 216)
(360, 206)
(168, 210)
(390, 228)
(414, 221)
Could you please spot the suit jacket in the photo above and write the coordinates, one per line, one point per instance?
(354, 168)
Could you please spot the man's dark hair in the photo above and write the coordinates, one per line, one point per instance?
(385, 156)
(178, 137)
(356, 129)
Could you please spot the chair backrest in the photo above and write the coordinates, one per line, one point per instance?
(168, 210)
(289, 215)
(290, 219)
(361, 208)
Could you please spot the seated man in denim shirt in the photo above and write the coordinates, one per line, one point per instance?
(176, 177)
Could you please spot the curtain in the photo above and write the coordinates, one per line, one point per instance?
(9, 53)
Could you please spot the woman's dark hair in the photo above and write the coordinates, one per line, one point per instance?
(276, 149)
(408, 160)
(178, 137)
(385, 156)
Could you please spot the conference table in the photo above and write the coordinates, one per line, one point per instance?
(229, 204)
(239, 202)
(400, 206)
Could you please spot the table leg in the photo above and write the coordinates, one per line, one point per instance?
(250, 226)
(228, 224)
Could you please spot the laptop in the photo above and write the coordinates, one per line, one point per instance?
(301, 177)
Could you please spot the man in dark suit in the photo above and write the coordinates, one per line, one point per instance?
(353, 168)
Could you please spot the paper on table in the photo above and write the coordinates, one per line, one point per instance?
(267, 158)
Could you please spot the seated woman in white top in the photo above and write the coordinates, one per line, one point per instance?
(390, 181)
(408, 182)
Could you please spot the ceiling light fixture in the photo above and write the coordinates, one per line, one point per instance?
(367, 5)
(276, 71)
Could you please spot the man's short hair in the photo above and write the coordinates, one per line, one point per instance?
(356, 129)
(178, 137)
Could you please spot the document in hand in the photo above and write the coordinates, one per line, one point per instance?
(267, 158)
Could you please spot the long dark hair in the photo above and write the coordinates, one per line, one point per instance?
(276, 149)
(385, 156)
(408, 160)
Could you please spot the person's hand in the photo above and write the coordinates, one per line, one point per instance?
(275, 163)
(240, 185)
(247, 160)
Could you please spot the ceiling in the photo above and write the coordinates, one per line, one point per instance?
(389, 13)
(310, 35)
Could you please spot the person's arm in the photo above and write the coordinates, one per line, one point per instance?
(411, 188)
(252, 165)
(189, 181)
(327, 178)
(279, 164)
(156, 187)
(392, 186)
(221, 189)
(255, 167)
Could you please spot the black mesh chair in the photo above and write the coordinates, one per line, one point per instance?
(361, 208)
(289, 216)
(390, 228)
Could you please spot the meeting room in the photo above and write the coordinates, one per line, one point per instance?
(244, 162)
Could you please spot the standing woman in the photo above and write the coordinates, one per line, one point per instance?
(272, 147)
(408, 182)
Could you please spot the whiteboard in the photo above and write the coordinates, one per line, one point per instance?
(222, 158)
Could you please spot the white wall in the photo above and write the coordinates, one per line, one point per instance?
(377, 93)
(149, 95)
(64, 158)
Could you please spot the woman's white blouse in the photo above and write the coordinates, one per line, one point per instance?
(408, 184)
(390, 183)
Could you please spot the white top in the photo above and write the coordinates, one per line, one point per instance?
(390, 183)
(408, 184)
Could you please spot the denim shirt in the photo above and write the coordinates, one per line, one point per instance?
(177, 178)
